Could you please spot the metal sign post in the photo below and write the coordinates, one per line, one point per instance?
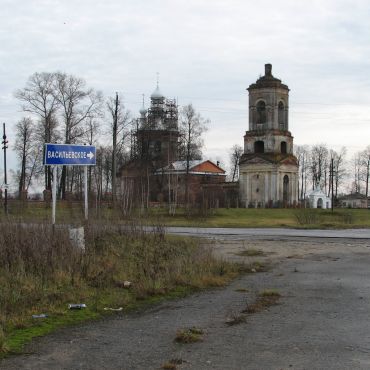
(54, 195)
(86, 195)
(69, 155)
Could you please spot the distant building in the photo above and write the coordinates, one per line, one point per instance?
(155, 174)
(157, 134)
(205, 180)
(353, 200)
(268, 168)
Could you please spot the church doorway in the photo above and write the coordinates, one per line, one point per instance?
(285, 189)
(319, 203)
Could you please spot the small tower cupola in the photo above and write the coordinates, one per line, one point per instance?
(268, 69)
(142, 110)
(157, 94)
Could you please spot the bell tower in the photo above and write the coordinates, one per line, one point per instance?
(268, 167)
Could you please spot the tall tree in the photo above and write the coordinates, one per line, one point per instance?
(235, 153)
(38, 98)
(120, 118)
(339, 168)
(77, 103)
(302, 154)
(319, 165)
(192, 126)
(365, 163)
(24, 131)
(91, 134)
(356, 168)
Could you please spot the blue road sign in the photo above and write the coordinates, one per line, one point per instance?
(70, 155)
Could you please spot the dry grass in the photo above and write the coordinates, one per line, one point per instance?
(251, 252)
(235, 318)
(265, 299)
(241, 290)
(169, 366)
(172, 364)
(3, 347)
(41, 271)
(190, 335)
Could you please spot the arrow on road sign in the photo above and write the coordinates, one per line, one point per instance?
(90, 155)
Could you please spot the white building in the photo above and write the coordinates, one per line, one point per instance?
(268, 168)
(318, 199)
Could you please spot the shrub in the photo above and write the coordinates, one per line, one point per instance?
(306, 216)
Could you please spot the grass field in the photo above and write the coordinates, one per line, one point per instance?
(232, 217)
(291, 218)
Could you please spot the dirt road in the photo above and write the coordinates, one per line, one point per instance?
(321, 322)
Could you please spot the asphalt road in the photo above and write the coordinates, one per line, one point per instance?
(239, 233)
(322, 322)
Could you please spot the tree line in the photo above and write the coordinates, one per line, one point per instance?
(322, 166)
(62, 108)
(319, 165)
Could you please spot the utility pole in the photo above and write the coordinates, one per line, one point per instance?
(332, 184)
(114, 153)
(5, 147)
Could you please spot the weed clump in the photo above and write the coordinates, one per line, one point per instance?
(306, 216)
(169, 366)
(251, 252)
(190, 335)
(235, 319)
(265, 299)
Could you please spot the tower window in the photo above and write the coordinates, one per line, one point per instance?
(281, 116)
(261, 112)
(259, 147)
(283, 147)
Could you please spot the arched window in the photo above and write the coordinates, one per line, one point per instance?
(259, 147)
(261, 112)
(285, 188)
(283, 147)
(281, 116)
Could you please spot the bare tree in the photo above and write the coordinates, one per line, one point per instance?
(302, 153)
(339, 169)
(365, 164)
(319, 165)
(91, 135)
(235, 153)
(192, 126)
(38, 98)
(120, 133)
(24, 131)
(77, 103)
(356, 168)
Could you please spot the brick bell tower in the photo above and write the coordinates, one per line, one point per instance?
(268, 168)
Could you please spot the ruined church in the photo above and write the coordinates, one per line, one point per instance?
(268, 168)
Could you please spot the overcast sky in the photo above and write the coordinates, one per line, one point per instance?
(207, 53)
